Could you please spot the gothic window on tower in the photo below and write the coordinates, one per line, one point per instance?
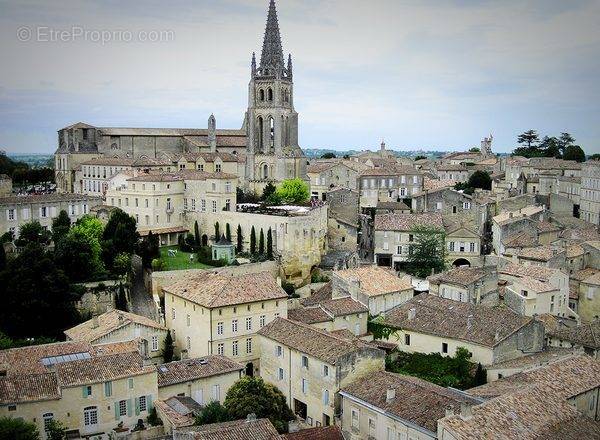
(270, 94)
(261, 131)
(265, 171)
(271, 132)
(261, 94)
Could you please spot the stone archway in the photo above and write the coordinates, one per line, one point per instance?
(461, 262)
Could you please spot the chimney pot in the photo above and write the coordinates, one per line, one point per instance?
(390, 394)
(251, 417)
(412, 313)
(465, 410)
(95, 323)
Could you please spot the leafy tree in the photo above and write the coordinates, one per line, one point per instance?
(293, 191)
(60, 226)
(153, 418)
(181, 243)
(79, 255)
(595, 156)
(32, 282)
(2, 257)
(91, 226)
(328, 156)
(252, 241)
(32, 232)
(17, 429)
(261, 242)
(529, 137)
(427, 251)
(269, 244)
(480, 179)
(227, 232)
(214, 412)
(121, 299)
(240, 240)
(480, 376)
(196, 234)
(217, 232)
(574, 152)
(55, 430)
(549, 147)
(119, 235)
(148, 249)
(419, 157)
(251, 395)
(169, 348)
(565, 140)
(122, 264)
(474, 150)
(268, 191)
(7, 237)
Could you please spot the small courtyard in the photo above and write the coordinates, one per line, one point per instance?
(178, 260)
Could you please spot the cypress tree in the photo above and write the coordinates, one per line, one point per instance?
(217, 232)
(252, 240)
(240, 240)
(121, 299)
(227, 232)
(169, 349)
(196, 234)
(261, 242)
(269, 245)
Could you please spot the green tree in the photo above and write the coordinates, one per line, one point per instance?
(214, 412)
(474, 150)
(240, 240)
(480, 179)
(530, 137)
(2, 257)
(419, 157)
(549, 147)
(227, 232)
(217, 231)
(119, 235)
(328, 156)
(122, 264)
(293, 191)
(121, 299)
(32, 282)
(268, 191)
(252, 241)
(197, 234)
(480, 376)
(251, 395)
(79, 255)
(427, 251)
(574, 152)
(565, 140)
(261, 242)
(91, 226)
(13, 428)
(55, 430)
(32, 232)
(148, 249)
(269, 244)
(595, 156)
(169, 348)
(60, 226)
(153, 418)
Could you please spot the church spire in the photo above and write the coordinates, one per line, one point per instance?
(272, 52)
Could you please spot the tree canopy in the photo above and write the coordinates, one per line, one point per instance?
(561, 147)
(293, 191)
(32, 232)
(214, 412)
(60, 226)
(14, 428)
(251, 395)
(574, 152)
(427, 251)
(120, 235)
(328, 156)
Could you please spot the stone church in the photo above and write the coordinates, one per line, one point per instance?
(267, 141)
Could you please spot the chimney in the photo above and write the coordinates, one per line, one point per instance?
(251, 417)
(465, 410)
(469, 322)
(95, 323)
(390, 395)
(449, 411)
(120, 318)
(497, 336)
(510, 215)
(412, 313)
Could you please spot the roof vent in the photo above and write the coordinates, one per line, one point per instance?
(412, 313)
(251, 417)
(203, 361)
(390, 394)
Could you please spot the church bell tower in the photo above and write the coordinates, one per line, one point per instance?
(272, 152)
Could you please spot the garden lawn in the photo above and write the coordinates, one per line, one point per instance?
(180, 261)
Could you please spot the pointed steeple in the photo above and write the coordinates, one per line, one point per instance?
(289, 66)
(272, 52)
(253, 65)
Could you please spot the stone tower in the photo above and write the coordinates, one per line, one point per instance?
(272, 152)
(486, 146)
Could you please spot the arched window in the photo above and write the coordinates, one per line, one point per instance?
(261, 94)
(271, 132)
(283, 131)
(286, 95)
(261, 131)
(265, 171)
(270, 94)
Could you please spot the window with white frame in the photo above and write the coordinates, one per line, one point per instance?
(261, 321)
(325, 370)
(10, 214)
(122, 408)
(304, 385)
(219, 328)
(90, 416)
(280, 374)
(234, 348)
(248, 345)
(472, 247)
(214, 206)
(249, 323)
(47, 417)
(220, 349)
(304, 362)
(154, 344)
(234, 325)
(325, 397)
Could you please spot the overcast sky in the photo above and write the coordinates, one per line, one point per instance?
(431, 74)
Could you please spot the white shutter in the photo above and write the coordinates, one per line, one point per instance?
(25, 213)
(53, 211)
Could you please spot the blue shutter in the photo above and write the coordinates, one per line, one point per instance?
(84, 392)
(128, 407)
(149, 402)
(137, 406)
(116, 410)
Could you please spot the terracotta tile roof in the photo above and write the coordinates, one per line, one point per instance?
(435, 184)
(114, 161)
(405, 222)
(319, 167)
(450, 167)
(520, 240)
(442, 317)
(512, 216)
(416, 400)
(323, 294)
(535, 360)
(180, 411)
(101, 369)
(594, 279)
(582, 274)
(586, 335)
(538, 272)
(49, 198)
(534, 285)
(204, 175)
(390, 169)
(343, 306)
(463, 276)
(546, 226)
(375, 280)
(574, 250)
(540, 253)
(107, 323)
(534, 413)
(260, 429)
(568, 377)
(309, 315)
(28, 360)
(28, 388)
(320, 433)
(210, 289)
(309, 340)
(399, 206)
(197, 368)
